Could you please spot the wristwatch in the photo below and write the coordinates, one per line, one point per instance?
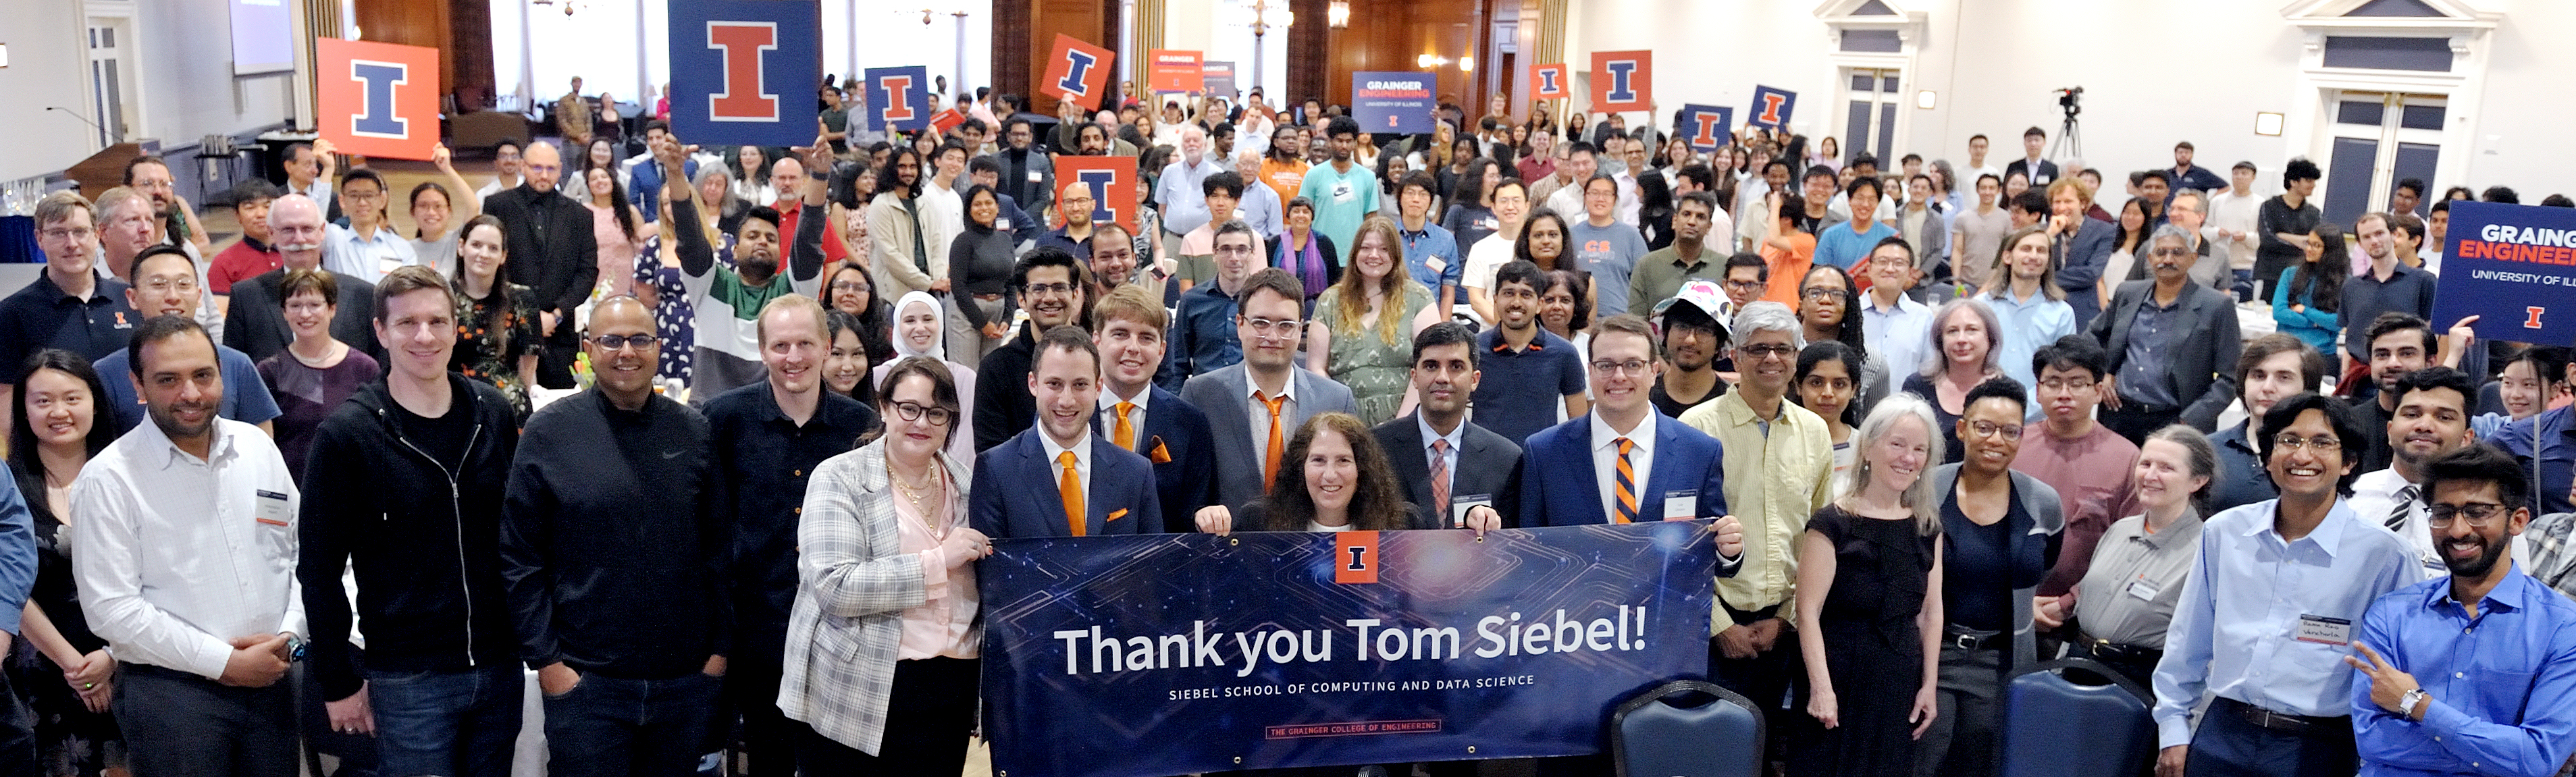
(295, 646)
(2406, 704)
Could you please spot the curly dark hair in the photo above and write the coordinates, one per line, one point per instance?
(1379, 504)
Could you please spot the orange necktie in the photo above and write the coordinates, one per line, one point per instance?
(1124, 433)
(1627, 484)
(1069, 489)
(1270, 460)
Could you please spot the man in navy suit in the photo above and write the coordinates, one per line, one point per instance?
(1623, 462)
(1110, 488)
(1448, 465)
(2040, 172)
(2081, 245)
(1266, 385)
(1139, 416)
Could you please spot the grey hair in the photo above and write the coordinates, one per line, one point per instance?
(1933, 364)
(2199, 200)
(2198, 453)
(720, 173)
(1917, 496)
(1768, 316)
(2168, 230)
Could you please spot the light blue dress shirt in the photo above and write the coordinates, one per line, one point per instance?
(2029, 325)
(2503, 684)
(2251, 598)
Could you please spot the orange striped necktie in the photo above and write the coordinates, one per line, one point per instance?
(1270, 459)
(1069, 489)
(1627, 484)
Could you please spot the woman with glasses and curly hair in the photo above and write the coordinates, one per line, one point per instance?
(1333, 477)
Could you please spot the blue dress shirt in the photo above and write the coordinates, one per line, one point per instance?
(2515, 716)
(2236, 632)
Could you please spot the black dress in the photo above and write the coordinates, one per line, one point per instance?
(67, 733)
(1921, 386)
(1873, 651)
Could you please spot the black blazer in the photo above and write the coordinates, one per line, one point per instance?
(255, 319)
(562, 264)
(2046, 173)
(1488, 464)
(2202, 366)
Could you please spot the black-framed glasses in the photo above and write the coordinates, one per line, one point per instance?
(616, 342)
(1744, 285)
(2320, 443)
(1823, 293)
(2479, 514)
(1983, 429)
(1047, 288)
(1631, 366)
(915, 411)
(1761, 351)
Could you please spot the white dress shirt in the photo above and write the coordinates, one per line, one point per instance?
(1259, 413)
(2374, 497)
(1081, 451)
(2267, 622)
(177, 556)
(344, 252)
(1433, 456)
(1605, 464)
(1135, 415)
(1903, 334)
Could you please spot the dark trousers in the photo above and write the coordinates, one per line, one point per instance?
(1766, 678)
(616, 727)
(2135, 423)
(2227, 745)
(447, 723)
(751, 688)
(1961, 741)
(554, 364)
(932, 711)
(181, 725)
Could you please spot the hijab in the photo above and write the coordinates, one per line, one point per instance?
(902, 345)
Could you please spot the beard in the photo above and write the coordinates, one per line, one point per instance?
(2489, 552)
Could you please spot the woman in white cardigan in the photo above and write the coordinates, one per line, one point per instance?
(885, 615)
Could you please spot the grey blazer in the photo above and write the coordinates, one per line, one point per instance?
(853, 583)
(1222, 395)
(2047, 518)
(2202, 366)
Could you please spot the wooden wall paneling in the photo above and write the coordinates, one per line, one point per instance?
(411, 23)
(469, 56)
(1030, 29)
(1310, 65)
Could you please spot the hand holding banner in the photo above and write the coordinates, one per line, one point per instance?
(899, 99)
(1771, 107)
(1078, 72)
(1623, 81)
(743, 71)
(2512, 266)
(377, 99)
(1706, 127)
(1392, 102)
(1175, 70)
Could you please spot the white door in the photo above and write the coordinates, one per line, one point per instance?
(111, 72)
(2378, 139)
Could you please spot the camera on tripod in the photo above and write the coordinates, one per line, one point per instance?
(2071, 99)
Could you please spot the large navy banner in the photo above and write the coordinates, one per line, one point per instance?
(1171, 654)
(2512, 266)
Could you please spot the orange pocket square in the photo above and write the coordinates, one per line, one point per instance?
(1121, 513)
(1157, 452)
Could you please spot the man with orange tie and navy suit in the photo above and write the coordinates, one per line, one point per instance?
(1100, 487)
(1624, 462)
(1129, 326)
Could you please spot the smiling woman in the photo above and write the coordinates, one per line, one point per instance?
(316, 372)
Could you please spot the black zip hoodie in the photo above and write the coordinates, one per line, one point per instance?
(425, 540)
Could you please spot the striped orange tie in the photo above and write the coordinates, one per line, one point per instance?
(1069, 489)
(1270, 459)
(1124, 433)
(1627, 484)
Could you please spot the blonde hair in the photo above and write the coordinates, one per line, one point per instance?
(1917, 497)
(1352, 304)
(789, 302)
(110, 200)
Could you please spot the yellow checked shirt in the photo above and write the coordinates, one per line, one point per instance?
(1774, 481)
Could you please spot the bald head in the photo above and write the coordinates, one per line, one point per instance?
(543, 165)
(295, 227)
(787, 177)
(1076, 203)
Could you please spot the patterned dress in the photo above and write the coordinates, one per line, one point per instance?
(1377, 371)
(489, 342)
(674, 314)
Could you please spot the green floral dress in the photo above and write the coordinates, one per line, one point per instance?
(489, 342)
(1377, 371)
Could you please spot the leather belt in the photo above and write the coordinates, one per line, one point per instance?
(1973, 639)
(2283, 722)
(2107, 650)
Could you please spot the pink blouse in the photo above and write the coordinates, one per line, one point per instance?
(939, 627)
(616, 250)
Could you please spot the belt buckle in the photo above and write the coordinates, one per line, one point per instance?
(1964, 641)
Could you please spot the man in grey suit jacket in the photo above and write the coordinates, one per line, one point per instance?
(1478, 466)
(2173, 345)
(2081, 246)
(1266, 382)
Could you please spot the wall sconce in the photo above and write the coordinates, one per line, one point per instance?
(1925, 99)
(1466, 64)
(2267, 124)
(1429, 61)
(1338, 15)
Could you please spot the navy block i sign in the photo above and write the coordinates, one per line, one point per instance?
(744, 71)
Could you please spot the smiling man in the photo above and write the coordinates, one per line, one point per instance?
(1449, 465)
(729, 299)
(2432, 419)
(1051, 290)
(1255, 405)
(1139, 416)
(166, 285)
(2269, 611)
(1100, 488)
(767, 439)
(1531, 371)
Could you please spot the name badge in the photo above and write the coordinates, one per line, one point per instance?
(272, 509)
(2144, 588)
(2325, 631)
(1036, 177)
(1001, 225)
(1436, 264)
(1681, 505)
(1458, 506)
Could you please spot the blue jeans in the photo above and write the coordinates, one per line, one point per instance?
(616, 727)
(448, 723)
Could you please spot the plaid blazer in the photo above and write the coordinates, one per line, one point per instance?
(854, 582)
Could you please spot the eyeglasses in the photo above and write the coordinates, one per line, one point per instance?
(70, 233)
(1266, 326)
(1823, 293)
(1766, 351)
(1235, 250)
(1047, 288)
(1744, 285)
(2320, 444)
(159, 285)
(2058, 384)
(1990, 429)
(614, 342)
(915, 411)
(2479, 514)
(1631, 366)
